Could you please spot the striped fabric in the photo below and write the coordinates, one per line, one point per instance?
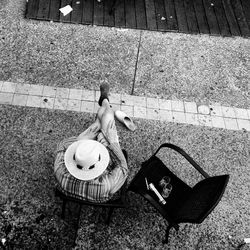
(100, 189)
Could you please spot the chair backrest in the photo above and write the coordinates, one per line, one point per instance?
(202, 200)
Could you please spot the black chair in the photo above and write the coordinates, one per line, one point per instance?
(119, 200)
(184, 203)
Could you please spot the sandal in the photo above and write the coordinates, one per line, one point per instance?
(127, 121)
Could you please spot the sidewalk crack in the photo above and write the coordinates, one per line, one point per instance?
(136, 63)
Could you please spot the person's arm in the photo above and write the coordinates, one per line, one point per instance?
(60, 150)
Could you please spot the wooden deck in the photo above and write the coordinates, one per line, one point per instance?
(215, 17)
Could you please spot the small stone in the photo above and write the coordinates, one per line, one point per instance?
(203, 109)
(212, 4)
(3, 241)
(163, 18)
(78, 2)
(171, 17)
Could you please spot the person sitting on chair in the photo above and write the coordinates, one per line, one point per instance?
(92, 166)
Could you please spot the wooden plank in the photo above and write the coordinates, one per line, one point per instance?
(32, 8)
(130, 13)
(120, 14)
(43, 10)
(233, 25)
(66, 18)
(191, 17)
(240, 17)
(109, 18)
(76, 16)
(201, 17)
(54, 13)
(181, 16)
(211, 17)
(140, 14)
(246, 9)
(98, 12)
(150, 14)
(170, 14)
(161, 16)
(221, 18)
(87, 14)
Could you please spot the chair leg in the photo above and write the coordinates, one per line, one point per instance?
(63, 209)
(77, 223)
(167, 234)
(175, 226)
(109, 215)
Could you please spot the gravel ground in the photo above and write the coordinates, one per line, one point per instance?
(176, 66)
(28, 139)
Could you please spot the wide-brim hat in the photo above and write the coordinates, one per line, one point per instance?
(86, 159)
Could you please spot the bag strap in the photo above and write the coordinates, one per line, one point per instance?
(183, 153)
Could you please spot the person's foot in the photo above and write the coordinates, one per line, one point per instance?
(104, 88)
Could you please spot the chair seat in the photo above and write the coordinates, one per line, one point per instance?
(154, 171)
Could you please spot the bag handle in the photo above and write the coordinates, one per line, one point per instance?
(183, 153)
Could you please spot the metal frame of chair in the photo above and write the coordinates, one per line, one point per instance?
(138, 186)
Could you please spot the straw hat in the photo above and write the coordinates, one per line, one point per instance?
(86, 159)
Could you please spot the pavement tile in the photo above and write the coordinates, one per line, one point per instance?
(140, 112)
(128, 110)
(165, 104)
(248, 111)
(216, 110)
(115, 98)
(152, 103)
(96, 107)
(231, 123)
(177, 105)
(62, 93)
(179, 117)
(190, 107)
(127, 99)
(153, 114)
(241, 113)
(140, 101)
(228, 112)
(20, 100)
(116, 106)
(34, 101)
(1, 84)
(165, 115)
(36, 89)
(243, 124)
(74, 105)
(6, 98)
(205, 120)
(88, 95)
(75, 94)
(8, 87)
(49, 91)
(22, 88)
(218, 122)
(60, 103)
(204, 109)
(97, 94)
(192, 119)
(87, 106)
(47, 102)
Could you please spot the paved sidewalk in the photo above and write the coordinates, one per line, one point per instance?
(81, 100)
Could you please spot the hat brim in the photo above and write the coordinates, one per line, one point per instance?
(82, 174)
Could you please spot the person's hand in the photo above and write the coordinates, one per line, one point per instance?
(111, 133)
(91, 133)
